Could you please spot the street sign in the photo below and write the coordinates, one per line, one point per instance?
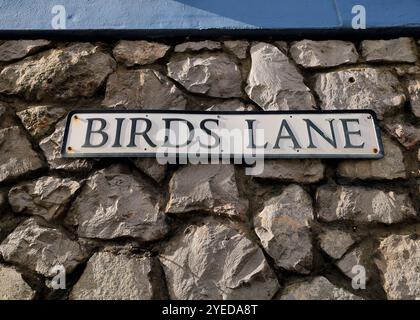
(271, 134)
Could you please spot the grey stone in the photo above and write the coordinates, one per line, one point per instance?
(2, 200)
(231, 105)
(399, 264)
(414, 94)
(213, 74)
(283, 46)
(12, 286)
(318, 288)
(406, 134)
(293, 170)
(213, 261)
(39, 120)
(40, 248)
(364, 205)
(390, 167)
(274, 83)
(395, 50)
(139, 52)
(198, 45)
(115, 203)
(237, 47)
(322, 54)
(58, 74)
(51, 146)
(46, 197)
(284, 231)
(350, 263)
(17, 49)
(17, 157)
(151, 167)
(210, 188)
(360, 88)
(335, 243)
(142, 89)
(110, 276)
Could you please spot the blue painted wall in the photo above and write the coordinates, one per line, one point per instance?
(153, 15)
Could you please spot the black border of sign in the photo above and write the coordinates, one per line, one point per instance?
(379, 155)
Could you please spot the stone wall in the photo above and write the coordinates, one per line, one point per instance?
(130, 228)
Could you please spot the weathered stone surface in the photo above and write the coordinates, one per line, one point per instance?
(198, 45)
(74, 71)
(237, 47)
(40, 248)
(390, 167)
(46, 197)
(360, 88)
(151, 167)
(110, 276)
(17, 49)
(293, 170)
(139, 52)
(321, 54)
(144, 89)
(231, 105)
(212, 261)
(335, 243)
(39, 120)
(399, 264)
(210, 188)
(115, 203)
(213, 74)
(274, 83)
(318, 288)
(358, 257)
(17, 157)
(51, 146)
(414, 94)
(407, 134)
(395, 50)
(2, 200)
(12, 286)
(361, 204)
(283, 46)
(283, 228)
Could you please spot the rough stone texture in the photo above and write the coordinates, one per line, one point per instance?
(360, 88)
(142, 89)
(51, 146)
(359, 256)
(399, 263)
(197, 46)
(110, 276)
(414, 94)
(74, 71)
(283, 228)
(213, 74)
(300, 171)
(12, 286)
(151, 167)
(395, 50)
(231, 105)
(361, 204)
(274, 83)
(237, 47)
(17, 158)
(318, 288)
(335, 243)
(133, 53)
(2, 200)
(39, 120)
(46, 197)
(321, 54)
(213, 261)
(40, 248)
(210, 188)
(407, 134)
(115, 203)
(17, 49)
(390, 167)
